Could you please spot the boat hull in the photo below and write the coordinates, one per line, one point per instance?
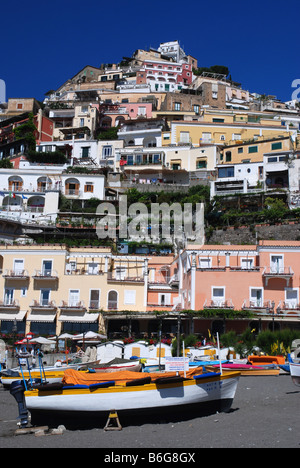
(173, 400)
(247, 370)
(295, 373)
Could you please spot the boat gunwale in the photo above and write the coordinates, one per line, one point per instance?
(122, 388)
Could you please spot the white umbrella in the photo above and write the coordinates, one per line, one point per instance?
(65, 336)
(41, 340)
(89, 335)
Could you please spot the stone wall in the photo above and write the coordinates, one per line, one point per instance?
(252, 234)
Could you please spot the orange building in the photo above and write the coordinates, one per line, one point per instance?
(262, 279)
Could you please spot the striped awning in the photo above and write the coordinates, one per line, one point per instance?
(11, 315)
(47, 316)
(80, 316)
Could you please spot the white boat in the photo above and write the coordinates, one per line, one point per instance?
(113, 366)
(295, 372)
(131, 394)
(51, 374)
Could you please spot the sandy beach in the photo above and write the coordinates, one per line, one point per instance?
(264, 414)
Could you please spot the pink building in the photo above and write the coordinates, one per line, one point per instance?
(165, 76)
(262, 279)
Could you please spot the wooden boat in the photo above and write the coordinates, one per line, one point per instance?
(51, 374)
(247, 369)
(129, 393)
(265, 360)
(295, 372)
(114, 365)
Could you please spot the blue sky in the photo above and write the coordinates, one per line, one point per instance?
(45, 43)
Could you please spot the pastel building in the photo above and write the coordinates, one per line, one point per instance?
(50, 289)
(262, 279)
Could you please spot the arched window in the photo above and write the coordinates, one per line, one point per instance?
(112, 301)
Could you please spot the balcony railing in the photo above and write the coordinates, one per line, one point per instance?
(218, 304)
(111, 276)
(94, 305)
(9, 304)
(45, 274)
(16, 274)
(112, 305)
(43, 304)
(257, 304)
(72, 305)
(278, 272)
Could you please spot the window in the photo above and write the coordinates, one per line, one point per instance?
(120, 273)
(226, 172)
(24, 292)
(218, 120)
(112, 302)
(106, 151)
(94, 299)
(164, 299)
(256, 297)
(206, 137)
(45, 297)
(92, 268)
(89, 187)
(252, 149)
(177, 106)
(272, 159)
(20, 106)
(291, 298)
(240, 150)
(201, 164)
(47, 268)
(74, 295)
(85, 151)
(184, 137)
(228, 156)
(129, 297)
(277, 264)
(204, 262)
(8, 296)
(218, 295)
(18, 267)
(196, 109)
(81, 122)
(276, 146)
(247, 263)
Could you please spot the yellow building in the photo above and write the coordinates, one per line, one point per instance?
(50, 289)
(226, 127)
(254, 150)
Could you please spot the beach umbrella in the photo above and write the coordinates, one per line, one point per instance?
(41, 340)
(66, 336)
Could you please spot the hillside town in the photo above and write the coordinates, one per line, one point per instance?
(155, 128)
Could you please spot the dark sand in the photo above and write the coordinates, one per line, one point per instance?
(264, 414)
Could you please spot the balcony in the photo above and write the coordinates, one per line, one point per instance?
(44, 304)
(257, 305)
(11, 304)
(112, 277)
(94, 305)
(218, 304)
(285, 273)
(45, 275)
(16, 274)
(288, 309)
(112, 305)
(73, 306)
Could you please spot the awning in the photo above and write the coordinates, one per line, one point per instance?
(12, 315)
(42, 317)
(83, 317)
